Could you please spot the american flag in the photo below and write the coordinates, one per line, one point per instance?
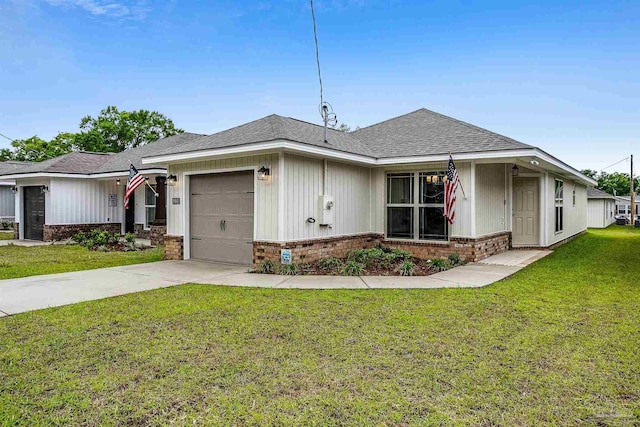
(135, 180)
(450, 187)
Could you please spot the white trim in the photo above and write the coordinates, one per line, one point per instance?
(281, 196)
(472, 205)
(187, 213)
(81, 175)
(305, 239)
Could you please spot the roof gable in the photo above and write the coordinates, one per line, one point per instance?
(594, 193)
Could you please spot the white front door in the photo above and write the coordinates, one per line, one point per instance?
(526, 217)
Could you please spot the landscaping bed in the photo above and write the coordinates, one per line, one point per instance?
(378, 261)
(105, 241)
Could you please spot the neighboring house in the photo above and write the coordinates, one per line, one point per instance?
(623, 206)
(601, 208)
(7, 191)
(80, 191)
(245, 194)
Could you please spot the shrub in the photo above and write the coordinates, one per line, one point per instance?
(288, 269)
(130, 238)
(267, 267)
(353, 268)
(328, 264)
(439, 264)
(80, 237)
(454, 259)
(401, 254)
(406, 268)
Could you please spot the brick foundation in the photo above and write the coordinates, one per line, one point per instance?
(313, 250)
(140, 232)
(16, 230)
(469, 250)
(66, 231)
(157, 234)
(173, 247)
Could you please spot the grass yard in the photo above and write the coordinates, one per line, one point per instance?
(6, 235)
(556, 344)
(19, 261)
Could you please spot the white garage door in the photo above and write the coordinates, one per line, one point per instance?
(221, 221)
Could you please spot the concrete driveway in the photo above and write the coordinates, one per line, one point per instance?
(37, 292)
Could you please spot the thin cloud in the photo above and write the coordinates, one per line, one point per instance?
(136, 11)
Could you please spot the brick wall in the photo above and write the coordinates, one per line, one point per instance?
(157, 234)
(66, 231)
(173, 247)
(470, 250)
(140, 232)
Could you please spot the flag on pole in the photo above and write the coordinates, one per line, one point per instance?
(135, 180)
(450, 187)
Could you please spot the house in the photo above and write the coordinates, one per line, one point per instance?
(7, 191)
(274, 186)
(80, 191)
(601, 208)
(623, 206)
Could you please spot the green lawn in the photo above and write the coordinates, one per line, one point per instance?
(6, 235)
(19, 261)
(556, 344)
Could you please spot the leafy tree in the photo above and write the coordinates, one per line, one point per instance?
(346, 128)
(613, 183)
(115, 131)
(36, 149)
(590, 173)
(6, 154)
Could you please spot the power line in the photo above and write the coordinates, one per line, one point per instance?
(626, 158)
(5, 136)
(315, 38)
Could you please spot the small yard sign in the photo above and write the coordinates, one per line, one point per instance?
(285, 256)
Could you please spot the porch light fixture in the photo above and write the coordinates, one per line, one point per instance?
(534, 162)
(172, 180)
(14, 189)
(263, 173)
(118, 181)
(44, 189)
(514, 170)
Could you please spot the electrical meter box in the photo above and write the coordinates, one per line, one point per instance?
(326, 210)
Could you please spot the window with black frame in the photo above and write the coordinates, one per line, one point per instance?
(403, 206)
(559, 208)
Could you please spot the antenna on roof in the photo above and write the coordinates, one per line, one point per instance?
(329, 118)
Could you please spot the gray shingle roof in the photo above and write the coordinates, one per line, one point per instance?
(273, 128)
(80, 162)
(421, 132)
(424, 132)
(120, 161)
(11, 166)
(594, 193)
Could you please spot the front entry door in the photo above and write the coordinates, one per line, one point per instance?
(130, 215)
(33, 213)
(526, 217)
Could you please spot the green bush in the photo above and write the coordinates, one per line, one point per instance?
(288, 270)
(353, 268)
(454, 259)
(130, 238)
(80, 237)
(439, 264)
(401, 254)
(328, 264)
(406, 268)
(267, 267)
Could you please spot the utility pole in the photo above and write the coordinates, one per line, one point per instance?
(633, 196)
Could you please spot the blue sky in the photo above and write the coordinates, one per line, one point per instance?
(560, 75)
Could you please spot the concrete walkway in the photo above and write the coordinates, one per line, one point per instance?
(37, 292)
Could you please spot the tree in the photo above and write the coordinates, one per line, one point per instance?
(590, 173)
(115, 131)
(616, 183)
(36, 149)
(345, 128)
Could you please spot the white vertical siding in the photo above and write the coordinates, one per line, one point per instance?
(348, 184)
(491, 186)
(575, 217)
(600, 213)
(81, 201)
(462, 225)
(7, 202)
(266, 210)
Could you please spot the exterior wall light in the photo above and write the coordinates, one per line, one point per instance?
(514, 170)
(172, 180)
(14, 189)
(44, 189)
(263, 173)
(534, 162)
(118, 182)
